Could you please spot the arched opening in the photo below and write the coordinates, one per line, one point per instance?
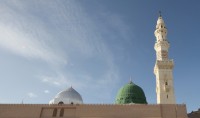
(61, 103)
(55, 112)
(62, 112)
(166, 83)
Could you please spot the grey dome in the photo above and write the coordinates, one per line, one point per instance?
(68, 96)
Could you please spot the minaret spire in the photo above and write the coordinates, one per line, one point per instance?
(164, 66)
(160, 14)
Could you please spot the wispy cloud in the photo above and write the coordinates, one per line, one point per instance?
(26, 35)
(32, 95)
(25, 45)
(85, 43)
(54, 80)
(46, 91)
(64, 33)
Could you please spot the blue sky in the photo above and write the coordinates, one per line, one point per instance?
(94, 46)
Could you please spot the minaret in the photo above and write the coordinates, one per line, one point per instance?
(163, 66)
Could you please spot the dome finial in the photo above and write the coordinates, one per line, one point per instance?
(130, 80)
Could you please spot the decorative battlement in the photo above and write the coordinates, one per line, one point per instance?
(76, 105)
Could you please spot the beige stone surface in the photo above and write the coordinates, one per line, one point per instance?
(93, 111)
(163, 68)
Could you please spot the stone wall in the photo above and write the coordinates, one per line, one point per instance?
(92, 111)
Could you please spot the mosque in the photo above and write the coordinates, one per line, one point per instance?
(130, 100)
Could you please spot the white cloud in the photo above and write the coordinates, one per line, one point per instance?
(32, 95)
(64, 35)
(27, 36)
(54, 80)
(46, 91)
(25, 45)
(84, 41)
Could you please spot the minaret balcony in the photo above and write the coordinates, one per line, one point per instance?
(164, 64)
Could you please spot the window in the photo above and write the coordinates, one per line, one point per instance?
(62, 112)
(166, 83)
(54, 112)
(60, 103)
(167, 96)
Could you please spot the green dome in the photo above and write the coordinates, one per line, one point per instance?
(130, 93)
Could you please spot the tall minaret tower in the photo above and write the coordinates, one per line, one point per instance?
(163, 66)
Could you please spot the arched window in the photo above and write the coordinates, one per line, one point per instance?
(55, 112)
(60, 103)
(62, 112)
(166, 83)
